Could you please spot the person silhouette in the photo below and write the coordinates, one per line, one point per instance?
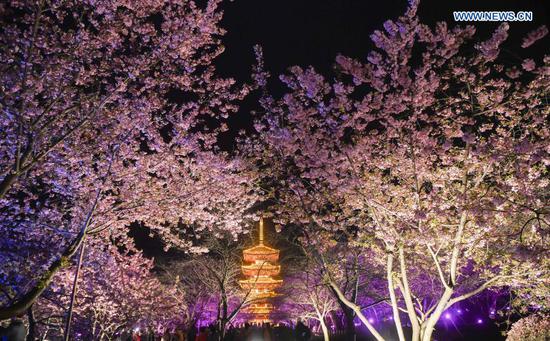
(301, 331)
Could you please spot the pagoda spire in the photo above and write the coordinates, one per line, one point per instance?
(261, 230)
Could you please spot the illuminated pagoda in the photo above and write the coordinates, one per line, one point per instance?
(260, 269)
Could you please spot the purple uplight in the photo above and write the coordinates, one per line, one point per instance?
(371, 320)
(447, 316)
(479, 321)
(459, 311)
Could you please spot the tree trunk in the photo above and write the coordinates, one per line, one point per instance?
(73, 295)
(395, 310)
(223, 318)
(6, 183)
(326, 336)
(321, 319)
(349, 316)
(12, 176)
(406, 291)
(429, 325)
(31, 336)
(358, 312)
(221, 329)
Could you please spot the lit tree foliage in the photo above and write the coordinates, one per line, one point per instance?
(117, 292)
(535, 327)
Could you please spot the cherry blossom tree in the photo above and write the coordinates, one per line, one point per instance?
(197, 299)
(118, 292)
(331, 257)
(434, 151)
(110, 114)
(217, 272)
(309, 298)
(355, 277)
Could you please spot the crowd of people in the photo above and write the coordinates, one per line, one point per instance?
(245, 332)
(265, 332)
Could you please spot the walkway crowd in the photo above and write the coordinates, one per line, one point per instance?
(246, 332)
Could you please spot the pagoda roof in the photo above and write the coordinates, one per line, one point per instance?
(260, 310)
(261, 280)
(260, 283)
(263, 296)
(261, 249)
(261, 266)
